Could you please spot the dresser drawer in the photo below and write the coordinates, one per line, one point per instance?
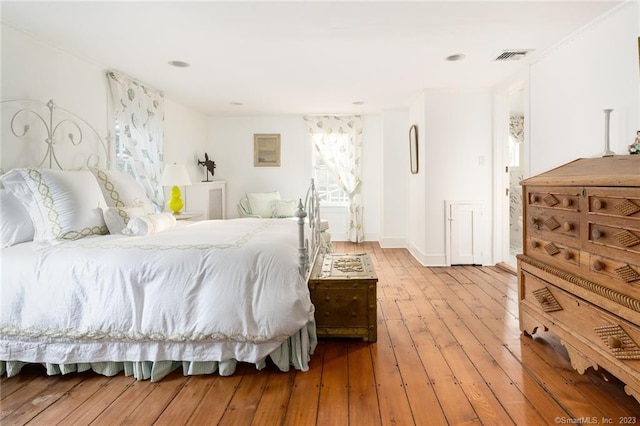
(558, 198)
(595, 327)
(620, 242)
(553, 252)
(621, 276)
(615, 202)
(553, 222)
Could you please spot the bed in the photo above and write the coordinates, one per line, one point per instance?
(142, 293)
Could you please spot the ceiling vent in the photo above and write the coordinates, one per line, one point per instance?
(512, 55)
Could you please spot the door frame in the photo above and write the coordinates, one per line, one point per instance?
(501, 110)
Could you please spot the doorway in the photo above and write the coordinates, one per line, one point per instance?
(516, 150)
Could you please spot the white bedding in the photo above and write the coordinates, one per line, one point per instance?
(205, 291)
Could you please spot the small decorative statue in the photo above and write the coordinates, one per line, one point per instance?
(209, 164)
(634, 148)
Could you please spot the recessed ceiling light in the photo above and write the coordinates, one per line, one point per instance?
(178, 64)
(236, 103)
(357, 103)
(456, 57)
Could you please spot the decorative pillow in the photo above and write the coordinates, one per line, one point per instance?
(117, 218)
(62, 204)
(120, 189)
(150, 224)
(284, 208)
(261, 202)
(15, 224)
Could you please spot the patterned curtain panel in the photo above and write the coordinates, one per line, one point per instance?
(139, 113)
(338, 141)
(516, 127)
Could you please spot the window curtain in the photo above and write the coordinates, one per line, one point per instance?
(343, 160)
(139, 112)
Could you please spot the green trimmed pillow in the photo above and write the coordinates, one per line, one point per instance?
(62, 204)
(261, 203)
(284, 208)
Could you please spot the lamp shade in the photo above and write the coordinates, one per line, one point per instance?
(175, 175)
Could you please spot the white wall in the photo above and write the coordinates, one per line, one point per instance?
(456, 165)
(395, 175)
(185, 138)
(231, 147)
(34, 69)
(416, 190)
(571, 85)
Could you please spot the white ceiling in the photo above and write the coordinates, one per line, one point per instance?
(303, 57)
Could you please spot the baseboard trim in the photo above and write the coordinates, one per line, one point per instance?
(393, 243)
(506, 267)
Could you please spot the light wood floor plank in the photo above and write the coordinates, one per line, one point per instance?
(191, 395)
(363, 397)
(392, 394)
(216, 399)
(333, 405)
(303, 405)
(273, 405)
(244, 403)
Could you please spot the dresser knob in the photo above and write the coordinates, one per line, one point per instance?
(568, 255)
(326, 314)
(567, 226)
(598, 204)
(596, 234)
(598, 265)
(614, 342)
(327, 298)
(354, 314)
(533, 198)
(355, 298)
(534, 244)
(534, 221)
(544, 299)
(566, 202)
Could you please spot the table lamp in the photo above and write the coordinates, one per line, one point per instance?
(175, 175)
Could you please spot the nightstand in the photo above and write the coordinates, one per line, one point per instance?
(189, 216)
(343, 291)
(208, 197)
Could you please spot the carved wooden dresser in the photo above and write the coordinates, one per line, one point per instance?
(579, 274)
(343, 291)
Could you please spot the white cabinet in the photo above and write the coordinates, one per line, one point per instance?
(207, 197)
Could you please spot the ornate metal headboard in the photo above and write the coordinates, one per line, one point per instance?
(51, 133)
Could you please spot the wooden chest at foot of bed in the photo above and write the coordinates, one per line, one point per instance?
(343, 291)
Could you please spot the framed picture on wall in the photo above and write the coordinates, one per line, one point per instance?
(266, 150)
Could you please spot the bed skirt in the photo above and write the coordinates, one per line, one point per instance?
(294, 352)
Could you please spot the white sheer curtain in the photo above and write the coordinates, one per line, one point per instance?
(139, 114)
(338, 141)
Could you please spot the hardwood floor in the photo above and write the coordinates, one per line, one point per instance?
(449, 351)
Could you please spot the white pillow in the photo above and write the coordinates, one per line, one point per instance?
(15, 224)
(261, 202)
(120, 189)
(62, 204)
(117, 218)
(150, 224)
(282, 208)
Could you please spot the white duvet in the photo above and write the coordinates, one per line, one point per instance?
(211, 290)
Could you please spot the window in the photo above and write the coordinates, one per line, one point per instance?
(328, 189)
